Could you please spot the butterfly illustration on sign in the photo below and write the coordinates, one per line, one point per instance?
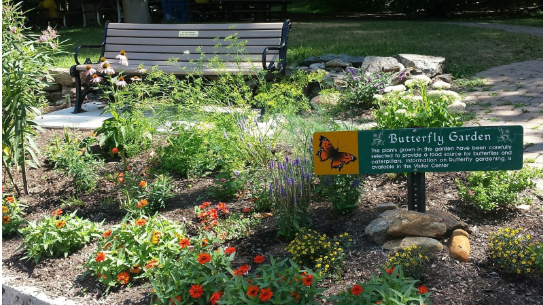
(328, 151)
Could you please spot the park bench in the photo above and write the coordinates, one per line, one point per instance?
(154, 45)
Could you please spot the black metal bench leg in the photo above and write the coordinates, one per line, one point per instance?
(79, 96)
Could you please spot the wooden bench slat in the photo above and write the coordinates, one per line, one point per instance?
(201, 34)
(116, 48)
(135, 59)
(267, 42)
(246, 68)
(194, 27)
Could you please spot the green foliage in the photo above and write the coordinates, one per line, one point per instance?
(413, 260)
(279, 282)
(319, 252)
(361, 88)
(514, 252)
(343, 190)
(227, 185)
(140, 197)
(129, 131)
(74, 156)
(134, 247)
(57, 234)
(392, 287)
(286, 96)
(488, 191)
(11, 215)
(25, 62)
(236, 226)
(404, 111)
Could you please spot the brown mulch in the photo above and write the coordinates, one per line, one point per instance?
(451, 282)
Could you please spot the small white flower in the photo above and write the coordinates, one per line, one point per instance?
(135, 79)
(96, 79)
(109, 70)
(123, 59)
(187, 52)
(121, 82)
(141, 70)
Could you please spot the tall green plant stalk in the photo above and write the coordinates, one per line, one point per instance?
(26, 60)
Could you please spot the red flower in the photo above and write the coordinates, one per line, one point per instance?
(204, 258)
(214, 223)
(115, 150)
(196, 291)
(141, 222)
(135, 269)
(422, 289)
(357, 289)
(242, 270)
(143, 184)
(265, 294)
(215, 297)
(100, 257)
(107, 233)
(259, 259)
(123, 278)
(178, 298)
(57, 212)
(295, 295)
(252, 291)
(204, 242)
(9, 198)
(206, 204)
(307, 280)
(150, 264)
(246, 210)
(230, 250)
(221, 206)
(390, 271)
(185, 242)
(212, 214)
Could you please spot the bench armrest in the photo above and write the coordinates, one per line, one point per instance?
(265, 54)
(87, 61)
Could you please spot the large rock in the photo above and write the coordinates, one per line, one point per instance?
(424, 244)
(430, 65)
(405, 74)
(377, 229)
(62, 77)
(382, 207)
(326, 99)
(374, 64)
(460, 248)
(451, 221)
(356, 61)
(337, 63)
(411, 223)
(52, 87)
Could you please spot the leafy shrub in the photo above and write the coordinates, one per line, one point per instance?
(128, 249)
(11, 215)
(413, 260)
(286, 96)
(392, 287)
(361, 88)
(513, 252)
(195, 276)
(140, 197)
(227, 185)
(57, 234)
(488, 191)
(221, 223)
(127, 133)
(279, 282)
(343, 190)
(74, 156)
(403, 110)
(319, 252)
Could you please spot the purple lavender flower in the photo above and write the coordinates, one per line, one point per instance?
(236, 173)
(378, 75)
(241, 138)
(271, 164)
(269, 147)
(260, 140)
(228, 103)
(307, 177)
(249, 145)
(351, 70)
(225, 135)
(287, 158)
(357, 79)
(282, 190)
(271, 189)
(294, 198)
(310, 149)
(382, 90)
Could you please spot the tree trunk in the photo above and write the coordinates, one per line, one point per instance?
(136, 11)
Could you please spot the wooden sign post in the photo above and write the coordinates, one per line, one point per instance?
(416, 151)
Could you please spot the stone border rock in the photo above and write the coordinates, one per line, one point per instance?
(29, 295)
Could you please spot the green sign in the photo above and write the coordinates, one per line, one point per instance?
(440, 149)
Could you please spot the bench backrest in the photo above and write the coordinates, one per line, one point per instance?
(153, 44)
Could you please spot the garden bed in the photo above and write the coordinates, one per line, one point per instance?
(451, 282)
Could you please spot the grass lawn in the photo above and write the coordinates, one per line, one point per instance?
(537, 22)
(467, 50)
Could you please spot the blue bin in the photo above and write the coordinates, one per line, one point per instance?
(175, 10)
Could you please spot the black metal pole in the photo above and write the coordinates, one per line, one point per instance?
(416, 192)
